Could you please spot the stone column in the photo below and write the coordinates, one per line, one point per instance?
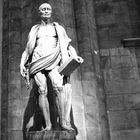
(11, 85)
(4, 70)
(1, 21)
(95, 117)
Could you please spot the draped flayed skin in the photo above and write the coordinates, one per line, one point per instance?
(50, 62)
(63, 40)
(46, 62)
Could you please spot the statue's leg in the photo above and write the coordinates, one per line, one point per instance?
(41, 81)
(67, 90)
(63, 99)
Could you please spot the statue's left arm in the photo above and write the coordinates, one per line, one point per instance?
(66, 48)
(73, 53)
(71, 50)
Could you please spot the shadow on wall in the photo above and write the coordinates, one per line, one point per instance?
(33, 119)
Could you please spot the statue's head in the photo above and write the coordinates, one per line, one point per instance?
(45, 11)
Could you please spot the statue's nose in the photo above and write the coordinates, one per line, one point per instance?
(46, 12)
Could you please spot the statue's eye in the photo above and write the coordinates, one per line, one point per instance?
(48, 8)
(43, 9)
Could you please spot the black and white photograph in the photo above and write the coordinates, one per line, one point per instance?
(69, 69)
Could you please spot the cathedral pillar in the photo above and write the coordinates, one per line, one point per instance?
(94, 116)
(1, 21)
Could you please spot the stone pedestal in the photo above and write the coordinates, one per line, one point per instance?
(51, 135)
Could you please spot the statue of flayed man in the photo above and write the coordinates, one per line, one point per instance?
(48, 47)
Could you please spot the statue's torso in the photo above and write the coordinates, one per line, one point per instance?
(46, 41)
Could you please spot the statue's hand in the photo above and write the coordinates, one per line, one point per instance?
(79, 59)
(25, 74)
(23, 71)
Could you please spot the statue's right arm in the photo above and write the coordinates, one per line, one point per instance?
(27, 51)
(24, 58)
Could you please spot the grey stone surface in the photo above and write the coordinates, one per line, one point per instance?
(105, 44)
(14, 135)
(92, 133)
(126, 135)
(114, 20)
(1, 27)
(132, 101)
(115, 102)
(122, 120)
(120, 66)
(78, 106)
(90, 70)
(82, 134)
(122, 87)
(51, 135)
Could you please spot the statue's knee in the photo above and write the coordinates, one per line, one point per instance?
(42, 91)
(59, 89)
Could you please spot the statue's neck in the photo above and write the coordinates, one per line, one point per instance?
(45, 22)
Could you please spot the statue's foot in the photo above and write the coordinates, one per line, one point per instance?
(67, 127)
(47, 128)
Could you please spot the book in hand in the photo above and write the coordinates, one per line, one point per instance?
(69, 66)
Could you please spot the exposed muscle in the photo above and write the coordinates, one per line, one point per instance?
(46, 41)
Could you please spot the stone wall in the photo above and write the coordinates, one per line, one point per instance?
(106, 99)
(92, 98)
(11, 81)
(121, 83)
(117, 20)
(88, 99)
(1, 23)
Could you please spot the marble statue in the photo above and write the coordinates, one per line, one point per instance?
(48, 47)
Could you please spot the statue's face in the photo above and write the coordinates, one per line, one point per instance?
(45, 11)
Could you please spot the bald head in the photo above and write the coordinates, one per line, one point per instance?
(44, 5)
(45, 10)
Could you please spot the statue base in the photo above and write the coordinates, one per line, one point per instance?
(51, 135)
